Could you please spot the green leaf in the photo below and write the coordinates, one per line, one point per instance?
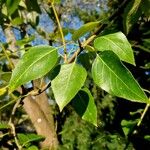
(131, 14)
(147, 137)
(68, 82)
(12, 6)
(33, 148)
(35, 63)
(84, 29)
(24, 41)
(84, 105)
(112, 76)
(3, 91)
(118, 43)
(17, 21)
(145, 5)
(33, 6)
(26, 139)
(4, 126)
(128, 126)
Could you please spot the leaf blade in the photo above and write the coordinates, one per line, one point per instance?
(118, 43)
(34, 64)
(84, 29)
(65, 85)
(113, 77)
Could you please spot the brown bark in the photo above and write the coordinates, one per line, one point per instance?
(40, 113)
(37, 107)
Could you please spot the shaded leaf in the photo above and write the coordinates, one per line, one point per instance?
(128, 126)
(84, 29)
(35, 63)
(118, 43)
(112, 76)
(131, 14)
(84, 105)
(67, 83)
(33, 6)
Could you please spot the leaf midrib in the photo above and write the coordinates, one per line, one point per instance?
(68, 82)
(33, 64)
(120, 79)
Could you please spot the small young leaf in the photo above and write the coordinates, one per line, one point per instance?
(84, 29)
(131, 14)
(36, 62)
(26, 139)
(33, 148)
(128, 125)
(112, 76)
(84, 105)
(118, 43)
(4, 126)
(12, 5)
(68, 82)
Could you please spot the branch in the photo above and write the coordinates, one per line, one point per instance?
(61, 32)
(12, 124)
(9, 60)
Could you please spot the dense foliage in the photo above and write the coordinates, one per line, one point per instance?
(79, 79)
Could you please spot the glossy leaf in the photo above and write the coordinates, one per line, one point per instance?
(12, 6)
(68, 82)
(131, 14)
(84, 105)
(118, 43)
(35, 63)
(112, 76)
(85, 29)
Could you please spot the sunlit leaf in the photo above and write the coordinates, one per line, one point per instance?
(112, 76)
(67, 83)
(85, 29)
(84, 105)
(118, 43)
(35, 63)
(3, 91)
(4, 126)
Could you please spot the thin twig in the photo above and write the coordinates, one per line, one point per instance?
(9, 60)
(88, 41)
(143, 114)
(12, 124)
(60, 30)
